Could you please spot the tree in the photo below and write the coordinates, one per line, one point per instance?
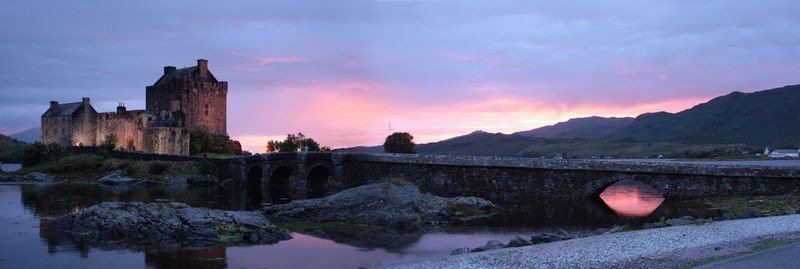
(400, 142)
(203, 141)
(294, 143)
(39, 153)
(110, 142)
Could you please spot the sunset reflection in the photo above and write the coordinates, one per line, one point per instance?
(630, 198)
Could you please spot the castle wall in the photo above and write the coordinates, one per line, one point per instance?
(83, 126)
(57, 130)
(204, 104)
(166, 140)
(128, 126)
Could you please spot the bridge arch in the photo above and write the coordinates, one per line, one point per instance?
(318, 181)
(279, 184)
(254, 187)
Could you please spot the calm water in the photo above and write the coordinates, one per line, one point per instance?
(11, 167)
(26, 209)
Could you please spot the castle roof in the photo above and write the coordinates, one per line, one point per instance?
(185, 73)
(62, 109)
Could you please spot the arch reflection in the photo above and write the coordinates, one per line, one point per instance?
(629, 198)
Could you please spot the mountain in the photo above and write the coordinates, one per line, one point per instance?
(587, 128)
(29, 136)
(768, 117)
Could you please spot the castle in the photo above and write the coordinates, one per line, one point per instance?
(179, 101)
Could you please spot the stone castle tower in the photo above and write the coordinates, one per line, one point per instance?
(179, 101)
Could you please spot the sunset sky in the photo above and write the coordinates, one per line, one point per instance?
(341, 71)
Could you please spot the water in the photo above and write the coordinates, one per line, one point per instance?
(11, 167)
(25, 210)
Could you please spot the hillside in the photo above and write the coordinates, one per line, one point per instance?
(587, 128)
(487, 144)
(763, 118)
(11, 149)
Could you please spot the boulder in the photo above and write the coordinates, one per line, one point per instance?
(193, 180)
(401, 207)
(546, 237)
(676, 222)
(615, 229)
(754, 213)
(460, 251)
(518, 241)
(40, 176)
(115, 179)
(163, 225)
(492, 244)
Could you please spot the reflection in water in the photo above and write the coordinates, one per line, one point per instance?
(26, 209)
(630, 198)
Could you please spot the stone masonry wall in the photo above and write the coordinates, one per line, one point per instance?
(57, 130)
(166, 140)
(204, 104)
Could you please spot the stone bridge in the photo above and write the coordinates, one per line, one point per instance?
(282, 176)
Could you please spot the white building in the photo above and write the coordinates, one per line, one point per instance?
(784, 153)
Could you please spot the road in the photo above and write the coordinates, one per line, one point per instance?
(787, 256)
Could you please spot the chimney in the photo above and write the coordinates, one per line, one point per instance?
(86, 100)
(120, 108)
(168, 69)
(202, 68)
(53, 104)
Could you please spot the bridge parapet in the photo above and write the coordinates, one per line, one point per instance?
(663, 167)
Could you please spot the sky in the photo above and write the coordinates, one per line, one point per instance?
(349, 73)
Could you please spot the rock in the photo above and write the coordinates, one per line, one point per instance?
(193, 180)
(460, 251)
(227, 182)
(115, 179)
(40, 176)
(728, 216)
(754, 213)
(383, 205)
(163, 225)
(688, 218)
(676, 222)
(651, 225)
(492, 244)
(518, 241)
(615, 229)
(545, 237)
(600, 231)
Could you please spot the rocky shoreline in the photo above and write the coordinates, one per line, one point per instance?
(385, 212)
(667, 247)
(136, 225)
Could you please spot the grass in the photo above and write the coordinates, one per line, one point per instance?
(80, 167)
(771, 205)
(762, 245)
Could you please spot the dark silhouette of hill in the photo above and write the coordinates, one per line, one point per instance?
(587, 128)
(729, 123)
(11, 149)
(762, 118)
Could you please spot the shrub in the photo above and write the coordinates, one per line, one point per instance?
(158, 168)
(39, 153)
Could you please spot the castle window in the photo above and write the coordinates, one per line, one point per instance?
(206, 109)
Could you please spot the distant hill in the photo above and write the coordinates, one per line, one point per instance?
(487, 144)
(29, 136)
(587, 128)
(11, 149)
(760, 118)
(723, 125)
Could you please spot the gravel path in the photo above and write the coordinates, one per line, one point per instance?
(642, 248)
